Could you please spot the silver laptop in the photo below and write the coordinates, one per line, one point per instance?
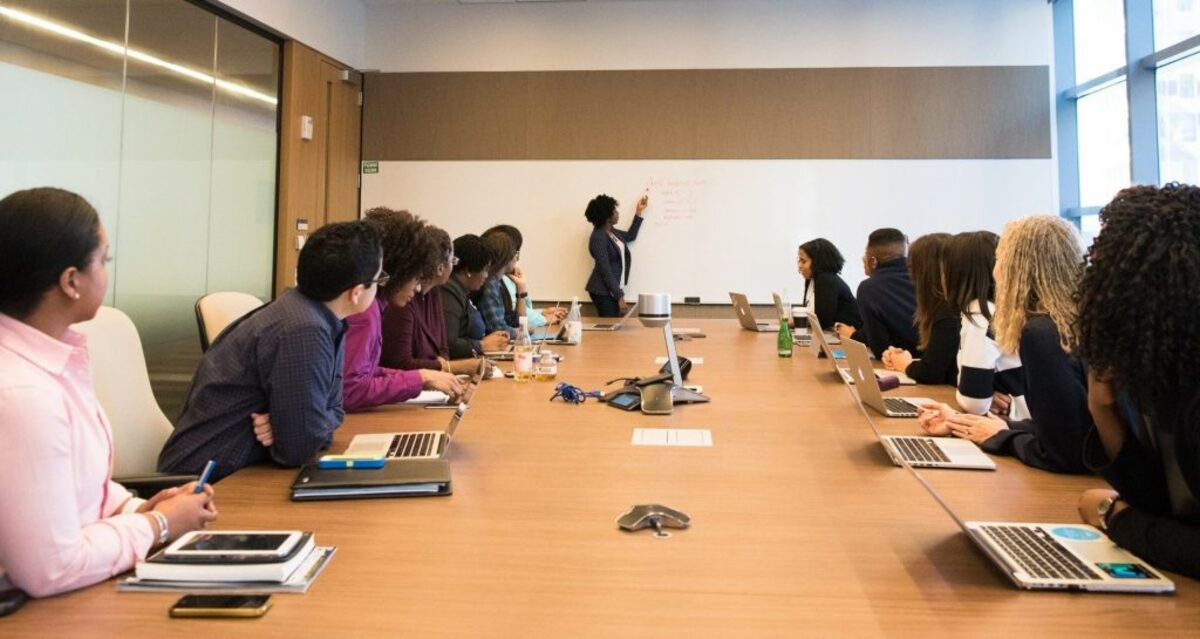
(822, 343)
(741, 308)
(1038, 556)
(613, 327)
(930, 452)
(546, 335)
(421, 444)
(868, 386)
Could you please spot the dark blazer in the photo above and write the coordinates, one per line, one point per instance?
(939, 362)
(456, 308)
(833, 301)
(887, 302)
(605, 277)
(1056, 394)
(1148, 527)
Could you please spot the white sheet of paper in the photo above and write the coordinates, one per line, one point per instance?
(429, 397)
(672, 437)
(662, 359)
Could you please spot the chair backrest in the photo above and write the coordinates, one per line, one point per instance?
(122, 385)
(216, 311)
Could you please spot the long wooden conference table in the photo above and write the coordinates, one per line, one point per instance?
(801, 526)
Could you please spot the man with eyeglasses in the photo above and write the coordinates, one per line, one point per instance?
(270, 386)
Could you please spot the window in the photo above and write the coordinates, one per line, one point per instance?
(1178, 116)
(1175, 21)
(1103, 145)
(1099, 37)
(1133, 114)
(1089, 228)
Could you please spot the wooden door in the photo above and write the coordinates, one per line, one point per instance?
(318, 173)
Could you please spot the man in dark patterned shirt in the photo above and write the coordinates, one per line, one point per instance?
(281, 365)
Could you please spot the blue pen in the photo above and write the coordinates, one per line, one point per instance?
(208, 468)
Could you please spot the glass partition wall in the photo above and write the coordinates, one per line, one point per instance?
(164, 116)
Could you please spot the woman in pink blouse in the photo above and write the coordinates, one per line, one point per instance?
(65, 523)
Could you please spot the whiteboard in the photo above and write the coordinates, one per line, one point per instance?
(712, 226)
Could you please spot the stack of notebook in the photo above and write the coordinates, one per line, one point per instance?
(233, 561)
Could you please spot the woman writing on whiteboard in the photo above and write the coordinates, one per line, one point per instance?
(608, 246)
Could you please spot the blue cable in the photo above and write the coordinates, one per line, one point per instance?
(573, 394)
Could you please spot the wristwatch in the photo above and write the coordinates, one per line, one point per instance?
(1105, 510)
(522, 296)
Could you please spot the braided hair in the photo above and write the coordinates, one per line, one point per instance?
(1140, 292)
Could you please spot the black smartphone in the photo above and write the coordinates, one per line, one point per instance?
(627, 401)
(221, 606)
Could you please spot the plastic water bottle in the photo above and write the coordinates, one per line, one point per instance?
(785, 337)
(523, 353)
(574, 323)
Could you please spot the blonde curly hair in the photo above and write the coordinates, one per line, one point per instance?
(1038, 265)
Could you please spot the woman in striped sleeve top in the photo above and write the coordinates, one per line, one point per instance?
(1038, 265)
(988, 377)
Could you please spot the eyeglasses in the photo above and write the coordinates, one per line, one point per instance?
(380, 281)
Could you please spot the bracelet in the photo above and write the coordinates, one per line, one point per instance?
(163, 531)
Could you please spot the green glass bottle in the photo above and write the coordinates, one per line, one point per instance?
(785, 338)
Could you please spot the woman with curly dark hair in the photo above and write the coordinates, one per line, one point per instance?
(825, 293)
(410, 255)
(609, 247)
(1137, 328)
(415, 334)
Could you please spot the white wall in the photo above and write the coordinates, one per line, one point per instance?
(798, 200)
(334, 27)
(678, 34)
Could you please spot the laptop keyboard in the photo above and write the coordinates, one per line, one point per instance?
(899, 406)
(1038, 553)
(412, 445)
(919, 449)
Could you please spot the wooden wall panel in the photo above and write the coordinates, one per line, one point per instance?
(836, 113)
(318, 178)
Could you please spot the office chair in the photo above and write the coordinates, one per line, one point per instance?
(122, 386)
(216, 311)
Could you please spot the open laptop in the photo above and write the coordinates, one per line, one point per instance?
(741, 308)
(821, 345)
(421, 444)
(922, 451)
(613, 327)
(1070, 556)
(868, 386)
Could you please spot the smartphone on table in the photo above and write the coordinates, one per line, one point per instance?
(221, 606)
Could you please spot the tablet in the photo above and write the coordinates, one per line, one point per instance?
(242, 543)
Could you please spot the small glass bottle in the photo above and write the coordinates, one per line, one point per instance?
(523, 353)
(574, 323)
(547, 367)
(785, 338)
